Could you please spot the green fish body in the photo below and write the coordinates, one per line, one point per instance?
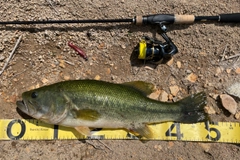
(85, 104)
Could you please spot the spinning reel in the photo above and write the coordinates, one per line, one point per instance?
(154, 50)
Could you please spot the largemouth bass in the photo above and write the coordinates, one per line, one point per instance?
(85, 104)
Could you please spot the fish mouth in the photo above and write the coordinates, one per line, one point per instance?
(22, 106)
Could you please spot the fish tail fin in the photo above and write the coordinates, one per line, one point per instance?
(193, 108)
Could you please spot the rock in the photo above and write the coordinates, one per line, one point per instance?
(163, 96)
(53, 65)
(44, 80)
(209, 110)
(2, 47)
(158, 147)
(173, 82)
(188, 71)
(206, 146)
(237, 70)
(97, 77)
(229, 103)
(218, 71)
(179, 65)
(62, 64)
(174, 90)
(228, 70)
(155, 95)
(170, 62)
(203, 53)
(66, 77)
(101, 46)
(192, 77)
(213, 95)
(2, 57)
(237, 115)
(170, 97)
(123, 46)
(234, 89)
(108, 71)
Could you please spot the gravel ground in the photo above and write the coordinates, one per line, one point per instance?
(43, 57)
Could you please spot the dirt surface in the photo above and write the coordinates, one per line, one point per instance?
(43, 57)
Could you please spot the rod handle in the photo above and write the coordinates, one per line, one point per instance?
(231, 18)
(164, 18)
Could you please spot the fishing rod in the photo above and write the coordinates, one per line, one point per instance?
(149, 48)
(149, 19)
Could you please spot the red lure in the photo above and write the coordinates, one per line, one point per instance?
(78, 50)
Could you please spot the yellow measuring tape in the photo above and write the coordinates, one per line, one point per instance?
(31, 129)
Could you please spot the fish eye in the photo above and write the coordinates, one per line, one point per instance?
(34, 95)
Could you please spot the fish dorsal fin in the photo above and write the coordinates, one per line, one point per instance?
(83, 130)
(86, 114)
(144, 87)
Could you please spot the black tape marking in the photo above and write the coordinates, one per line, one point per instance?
(9, 129)
(55, 132)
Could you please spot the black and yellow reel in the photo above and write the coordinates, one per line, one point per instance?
(155, 50)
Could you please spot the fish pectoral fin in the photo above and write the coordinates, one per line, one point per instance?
(144, 131)
(144, 87)
(86, 114)
(83, 130)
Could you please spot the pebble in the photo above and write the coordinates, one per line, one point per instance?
(192, 77)
(44, 80)
(101, 46)
(179, 65)
(97, 77)
(15, 79)
(188, 71)
(158, 147)
(163, 96)
(203, 53)
(237, 70)
(237, 115)
(174, 90)
(213, 95)
(218, 71)
(123, 46)
(228, 70)
(170, 97)
(2, 48)
(108, 71)
(209, 110)
(206, 146)
(66, 77)
(62, 64)
(53, 65)
(170, 62)
(173, 82)
(155, 95)
(2, 57)
(229, 103)
(234, 89)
